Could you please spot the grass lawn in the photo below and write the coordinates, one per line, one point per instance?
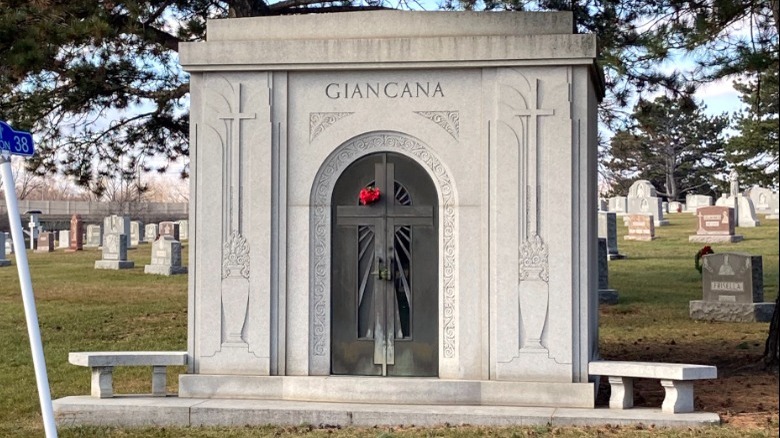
(83, 309)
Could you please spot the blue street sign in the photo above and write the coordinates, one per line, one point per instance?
(16, 142)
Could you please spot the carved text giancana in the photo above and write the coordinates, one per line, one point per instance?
(387, 90)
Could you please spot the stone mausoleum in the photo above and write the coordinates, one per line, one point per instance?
(388, 209)
(472, 276)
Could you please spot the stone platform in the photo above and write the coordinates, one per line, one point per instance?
(137, 411)
(731, 312)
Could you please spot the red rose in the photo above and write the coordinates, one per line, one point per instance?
(369, 195)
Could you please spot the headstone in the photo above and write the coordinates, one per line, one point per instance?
(3, 260)
(150, 233)
(94, 236)
(732, 289)
(715, 224)
(762, 199)
(618, 204)
(9, 247)
(608, 231)
(693, 202)
(63, 239)
(603, 204)
(606, 295)
(676, 207)
(118, 225)
(114, 253)
(45, 242)
(184, 229)
(640, 227)
(643, 199)
(774, 207)
(665, 206)
(76, 238)
(166, 257)
(136, 233)
(170, 229)
(744, 211)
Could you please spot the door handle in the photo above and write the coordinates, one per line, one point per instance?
(380, 271)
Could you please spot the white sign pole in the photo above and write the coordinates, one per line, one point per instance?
(39, 363)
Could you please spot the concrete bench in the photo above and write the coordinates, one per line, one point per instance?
(676, 378)
(103, 363)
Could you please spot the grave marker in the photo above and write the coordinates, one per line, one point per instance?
(3, 260)
(45, 242)
(166, 258)
(76, 238)
(640, 227)
(114, 253)
(170, 229)
(732, 289)
(716, 224)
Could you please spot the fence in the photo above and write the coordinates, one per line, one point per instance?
(57, 214)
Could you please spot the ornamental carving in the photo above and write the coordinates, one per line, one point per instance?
(533, 259)
(235, 261)
(334, 165)
(447, 120)
(319, 122)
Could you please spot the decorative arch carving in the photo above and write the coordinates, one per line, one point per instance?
(320, 228)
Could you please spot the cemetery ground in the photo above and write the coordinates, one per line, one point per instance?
(83, 309)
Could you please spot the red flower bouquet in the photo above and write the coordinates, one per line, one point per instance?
(369, 195)
(702, 252)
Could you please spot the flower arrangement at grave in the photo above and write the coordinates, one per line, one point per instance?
(369, 195)
(702, 252)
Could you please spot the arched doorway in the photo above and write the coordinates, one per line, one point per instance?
(384, 278)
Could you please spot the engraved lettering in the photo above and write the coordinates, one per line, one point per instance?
(728, 286)
(372, 90)
(388, 86)
(406, 91)
(335, 94)
(438, 90)
(357, 92)
(423, 90)
(712, 223)
(387, 90)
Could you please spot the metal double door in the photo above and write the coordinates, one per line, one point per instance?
(384, 279)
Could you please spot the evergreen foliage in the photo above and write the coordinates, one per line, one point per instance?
(673, 145)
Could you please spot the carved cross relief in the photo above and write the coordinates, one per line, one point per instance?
(533, 250)
(235, 251)
(533, 272)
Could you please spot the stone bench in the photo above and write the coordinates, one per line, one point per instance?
(676, 378)
(103, 363)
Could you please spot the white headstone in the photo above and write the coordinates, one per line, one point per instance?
(150, 232)
(3, 260)
(114, 252)
(643, 199)
(136, 233)
(166, 258)
(64, 239)
(118, 225)
(94, 236)
(693, 202)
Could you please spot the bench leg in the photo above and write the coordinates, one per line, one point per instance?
(158, 381)
(679, 396)
(622, 389)
(102, 384)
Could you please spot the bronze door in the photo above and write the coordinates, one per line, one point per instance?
(384, 283)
